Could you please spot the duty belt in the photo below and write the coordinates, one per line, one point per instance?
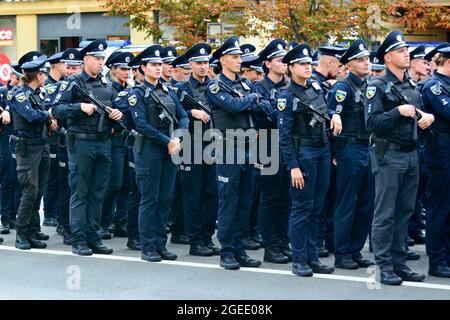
(311, 143)
(92, 136)
(346, 140)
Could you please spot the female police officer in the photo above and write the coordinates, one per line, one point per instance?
(304, 144)
(30, 121)
(155, 110)
(436, 98)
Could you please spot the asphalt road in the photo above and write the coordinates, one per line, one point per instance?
(55, 273)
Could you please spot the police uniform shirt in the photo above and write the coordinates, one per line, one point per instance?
(340, 98)
(226, 101)
(381, 113)
(435, 95)
(22, 106)
(138, 107)
(271, 96)
(185, 87)
(322, 80)
(286, 120)
(68, 102)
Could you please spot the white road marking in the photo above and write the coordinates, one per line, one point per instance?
(423, 285)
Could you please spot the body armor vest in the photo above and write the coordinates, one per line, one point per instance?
(154, 110)
(36, 129)
(353, 122)
(241, 120)
(406, 128)
(95, 122)
(305, 127)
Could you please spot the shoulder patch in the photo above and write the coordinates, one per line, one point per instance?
(51, 89)
(132, 100)
(21, 97)
(214, 89)
(436, 89)
(281, 104)
(316, 86)
(370, 92)
(340, 95)
(123, 93)
(63, 86)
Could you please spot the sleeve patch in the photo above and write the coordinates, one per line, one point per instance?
(370, 93)
(340, 95)
(132, 100)
(281, 104)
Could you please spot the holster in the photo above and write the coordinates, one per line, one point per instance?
(70, 140)
(139, 143)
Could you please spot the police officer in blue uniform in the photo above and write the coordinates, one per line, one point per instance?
(391, 112)
(376, 68)
(8, 175)
(30, 121)
(304, 145)
(176, 217)
(89, 147)
(200, 198)
(118, 65)
(168, 54)
(354, 180)
(156, 112)
(231, 98)
(251, 69)
(274, 188)
(325, 74)
(58, 70)
(134, 198)
(73, 60)
(418, 70)
(436, 99)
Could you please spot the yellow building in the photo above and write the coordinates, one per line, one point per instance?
(51, 26)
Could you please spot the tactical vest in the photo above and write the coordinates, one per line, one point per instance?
(224, 120)
(95, 122)
(154, 110)
(353, 123)
(325, 85)
(36, 129)
(440, 124)
(405, 129)
(306, 128)
(199, 95)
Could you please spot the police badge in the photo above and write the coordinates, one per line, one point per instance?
(370, 93)
(132, 100)
(281, 105)
(436, 89)
(340, 95)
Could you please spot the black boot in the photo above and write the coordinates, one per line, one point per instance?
(274, 255)
(36, 243)
(22, 242)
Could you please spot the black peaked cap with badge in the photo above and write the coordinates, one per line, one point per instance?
(56, 58)
(299, 54)
(393, 41)
(181, 62)
(275, 49)
(119, 59)
(375, 64)
(358, 49)
(96, 48)
(230, 46)
(168, 54)
(198, 53)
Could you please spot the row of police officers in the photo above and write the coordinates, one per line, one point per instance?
(349, 147)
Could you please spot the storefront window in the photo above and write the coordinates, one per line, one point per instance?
(49, 46)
